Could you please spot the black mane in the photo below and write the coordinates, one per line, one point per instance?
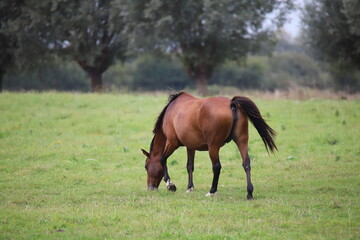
(160, 118)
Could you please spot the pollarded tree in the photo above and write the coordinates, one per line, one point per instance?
(9, 10)
(89, 32)
(205, 33)
(17, 53)
(332, 30)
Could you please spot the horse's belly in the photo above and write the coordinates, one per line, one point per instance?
(198, 147)
(201, 148)
(191, 138)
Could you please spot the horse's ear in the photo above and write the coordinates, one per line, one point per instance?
(145, 153)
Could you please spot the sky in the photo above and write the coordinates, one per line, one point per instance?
(294, 23)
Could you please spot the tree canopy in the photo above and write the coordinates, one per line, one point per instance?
(89, 32)
(332, 31)
(205, 33)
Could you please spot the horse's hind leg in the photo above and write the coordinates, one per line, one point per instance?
(190, 169)
(214, 155)
(242, 144)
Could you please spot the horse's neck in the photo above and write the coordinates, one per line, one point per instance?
(158, 144)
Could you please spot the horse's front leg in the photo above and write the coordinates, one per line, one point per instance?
(169, 185)
(168, 151)
(190, 169)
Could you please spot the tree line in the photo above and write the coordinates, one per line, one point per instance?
(173, 43)
(283, 70)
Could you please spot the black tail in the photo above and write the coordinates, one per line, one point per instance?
(252, 112)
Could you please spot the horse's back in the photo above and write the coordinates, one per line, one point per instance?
(216, 120)
(196, 122)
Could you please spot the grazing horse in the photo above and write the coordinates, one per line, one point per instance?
(203, 124)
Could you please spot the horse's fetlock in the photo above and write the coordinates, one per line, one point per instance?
(250, 188)
(217, 166)
(246, 167)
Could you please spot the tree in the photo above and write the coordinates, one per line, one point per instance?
(205, 33)
(5, 57)
(89, 32)
(332, 31)
(8, 10)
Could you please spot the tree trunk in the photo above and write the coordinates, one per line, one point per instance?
(96, 81)
(95, 74)
(200, 74)
(201, 84)
(2, 73)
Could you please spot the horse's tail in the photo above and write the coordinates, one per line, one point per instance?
(252, 112)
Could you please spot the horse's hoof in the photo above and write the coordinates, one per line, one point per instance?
(249, 197)
(190, 190)
(171, 187)
(210, 194)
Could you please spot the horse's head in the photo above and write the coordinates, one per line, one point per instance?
(154, 171)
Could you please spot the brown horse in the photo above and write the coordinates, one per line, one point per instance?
(204, 125)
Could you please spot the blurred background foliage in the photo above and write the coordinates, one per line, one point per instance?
(282, 71)
(60, 46)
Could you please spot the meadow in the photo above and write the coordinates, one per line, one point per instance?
(71, 168)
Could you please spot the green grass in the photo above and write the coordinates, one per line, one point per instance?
(71, 168)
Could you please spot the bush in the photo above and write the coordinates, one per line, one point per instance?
(62, 76)
(296, 69)
(120, 76)
(244, 77)
(345, 78)
(281, 71)
(153, 73)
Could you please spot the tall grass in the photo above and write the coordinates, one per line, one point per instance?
(71, 168)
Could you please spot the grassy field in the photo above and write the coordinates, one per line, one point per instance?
(71, 168)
